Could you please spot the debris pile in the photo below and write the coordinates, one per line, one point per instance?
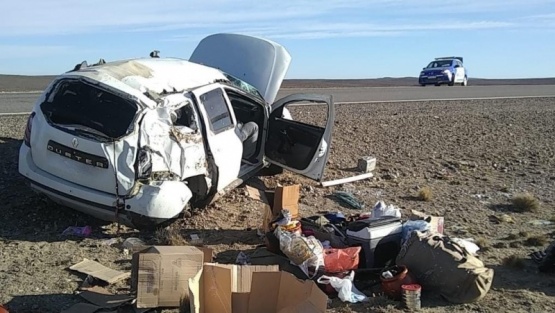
(303, 262)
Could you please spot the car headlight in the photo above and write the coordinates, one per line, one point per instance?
(422, 73)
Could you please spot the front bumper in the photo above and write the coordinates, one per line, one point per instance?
(435, 79)
(159, 200)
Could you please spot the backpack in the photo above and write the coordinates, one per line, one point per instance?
(445, 267)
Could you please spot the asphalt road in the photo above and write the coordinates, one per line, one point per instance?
(23, 102)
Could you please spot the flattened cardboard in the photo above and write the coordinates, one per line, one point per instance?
(214, 288)
(161, 274)
(283, 292)
(99, 271)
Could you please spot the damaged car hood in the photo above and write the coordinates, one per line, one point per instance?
(259, 62)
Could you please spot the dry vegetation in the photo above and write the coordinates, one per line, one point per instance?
(425, 194)
(525, 202)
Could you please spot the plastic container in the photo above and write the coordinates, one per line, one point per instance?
(392, 286)
(411, 296)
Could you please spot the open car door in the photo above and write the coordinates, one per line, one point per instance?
(297, 146)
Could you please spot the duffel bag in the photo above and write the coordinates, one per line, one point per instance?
(443, 266)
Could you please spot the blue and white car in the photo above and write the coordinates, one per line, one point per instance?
(447, 70)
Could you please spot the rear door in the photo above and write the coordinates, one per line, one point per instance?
(219, 124)
(85, 135)
(298, 146)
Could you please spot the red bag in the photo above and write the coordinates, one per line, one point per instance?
(341, 260)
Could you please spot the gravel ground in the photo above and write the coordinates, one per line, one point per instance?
(473, 155)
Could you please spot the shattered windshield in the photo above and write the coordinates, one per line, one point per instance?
(243, 86)
(76, 103)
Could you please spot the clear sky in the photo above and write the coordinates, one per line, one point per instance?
(326, 38)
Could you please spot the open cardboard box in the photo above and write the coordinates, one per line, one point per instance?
(160, 274)
(274, 201)
(219, 288)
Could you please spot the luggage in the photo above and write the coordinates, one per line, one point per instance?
(443, 266)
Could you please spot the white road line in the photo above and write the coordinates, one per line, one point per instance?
(383, 101)
(448, 99)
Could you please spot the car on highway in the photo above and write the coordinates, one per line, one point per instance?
(444, 70)
(142, 140)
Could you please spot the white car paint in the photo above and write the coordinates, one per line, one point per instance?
(225, 146)
(146, 169)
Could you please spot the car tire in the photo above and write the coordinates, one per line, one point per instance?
(437, 85)
(464, 82)
(423, 85)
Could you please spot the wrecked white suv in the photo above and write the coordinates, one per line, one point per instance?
(139, 141)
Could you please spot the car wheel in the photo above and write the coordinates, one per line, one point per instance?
(423, 85)
(437, 85)
(464, 82)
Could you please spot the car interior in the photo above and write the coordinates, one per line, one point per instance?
(246, 110)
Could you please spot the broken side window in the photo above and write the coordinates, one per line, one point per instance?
(78, 103)
(185, 116)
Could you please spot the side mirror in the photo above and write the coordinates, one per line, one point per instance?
(423, 68)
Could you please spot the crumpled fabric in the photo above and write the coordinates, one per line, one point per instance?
(413, 225)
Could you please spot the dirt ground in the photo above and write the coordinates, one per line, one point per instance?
(473, 155)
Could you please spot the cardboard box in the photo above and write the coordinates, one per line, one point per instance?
(287, 197)
(219, 288)
(160, 274)
(283, 197)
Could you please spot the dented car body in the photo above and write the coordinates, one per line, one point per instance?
(141, 140)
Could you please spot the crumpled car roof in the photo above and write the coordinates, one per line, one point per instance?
(153, 75)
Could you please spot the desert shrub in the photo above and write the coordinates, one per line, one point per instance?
(425, 194)
(525, 202)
